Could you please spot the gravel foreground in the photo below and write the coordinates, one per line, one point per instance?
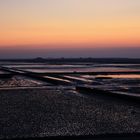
(44, 112)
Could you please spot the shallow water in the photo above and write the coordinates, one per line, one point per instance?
(114, 76)
(117, 82)
(81, 69)
(44, 68)
(124, 76)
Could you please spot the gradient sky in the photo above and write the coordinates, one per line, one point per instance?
(69, 28)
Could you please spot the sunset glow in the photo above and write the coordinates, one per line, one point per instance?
(97, 23)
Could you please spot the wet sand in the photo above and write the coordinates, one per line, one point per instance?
(44, 104)
(44, 112)
(20, 81)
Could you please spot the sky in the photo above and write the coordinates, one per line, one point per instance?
(69, 28)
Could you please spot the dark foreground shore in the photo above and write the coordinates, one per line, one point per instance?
(44, 112)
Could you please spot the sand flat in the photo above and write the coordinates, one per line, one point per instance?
(44, 112)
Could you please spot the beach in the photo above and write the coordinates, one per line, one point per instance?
(69, 98)
(46, 112)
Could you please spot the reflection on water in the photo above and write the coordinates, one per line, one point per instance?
(118, 65)
(59, 79)
(83, 69)
(114, 76)
(44, 68)
(125, 76)
(77, 78)
(128, 83)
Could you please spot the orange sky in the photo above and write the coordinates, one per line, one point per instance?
(95, 22)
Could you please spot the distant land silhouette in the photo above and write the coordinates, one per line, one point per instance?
(66, 60)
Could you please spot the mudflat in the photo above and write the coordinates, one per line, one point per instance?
(40, 112)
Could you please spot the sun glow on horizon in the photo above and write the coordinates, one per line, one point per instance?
(64, 23)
